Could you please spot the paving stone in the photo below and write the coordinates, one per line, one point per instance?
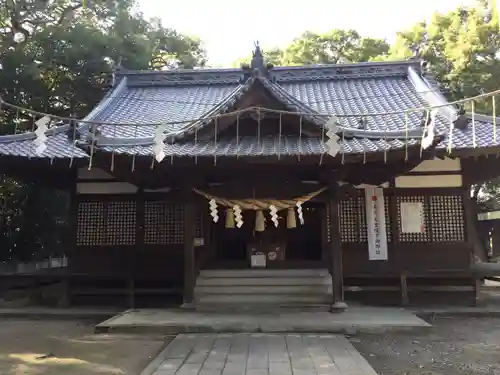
(261, 354)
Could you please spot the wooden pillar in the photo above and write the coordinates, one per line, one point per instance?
(189, 223)
(138, 249)
(470, 217)
(70, 242)
(336, 254)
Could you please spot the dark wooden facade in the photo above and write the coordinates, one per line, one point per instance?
(138, 228)
(140, 237)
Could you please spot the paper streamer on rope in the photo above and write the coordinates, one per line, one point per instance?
(273, 211)
(300, 214)
(429, 133)
(237, 216)
(376, 225)
(213, 210)
(260, 204)
(333, 139)
(158, 143)
(41, 138)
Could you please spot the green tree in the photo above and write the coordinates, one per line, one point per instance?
(273, 56)
(57, 56)
(461, 48)
(334, 47)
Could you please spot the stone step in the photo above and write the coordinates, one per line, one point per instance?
(263, 289)
(264, 308)
(267, 299)
(266, 272)
(264, 281)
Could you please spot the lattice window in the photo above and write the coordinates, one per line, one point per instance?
(447, 218)
(327, 219)
(121, 223)
(352, 220)
(414, 237)
(106, 223)
(163, 223)
(387, 212)
(157, 223)
(90, 221)
(199, 224)
(353, 224)
(363, 228)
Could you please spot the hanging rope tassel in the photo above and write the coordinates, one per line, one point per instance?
(113, 151)
(386, 144)
(494, 119)
(291, 222)
(92, 145)
(215, 140)
(473, 104)
(260, 221)
(230, 218)
(238, 135)
(406, 136)
(279, 136)
(73, 143)
(424, 132)
(342, 152)
(323, 130)
(134, 156)
(196, 146)
(300, 138)
(260, 145)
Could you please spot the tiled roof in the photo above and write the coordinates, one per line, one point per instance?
(251, 146)
(175, 97)
(156, 105)
(58, 146)
(482, 127)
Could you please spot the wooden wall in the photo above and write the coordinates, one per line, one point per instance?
(108, 217)
(442, 247)
(121, 231)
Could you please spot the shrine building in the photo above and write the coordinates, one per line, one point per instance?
(291, 186)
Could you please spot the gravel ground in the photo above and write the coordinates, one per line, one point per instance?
(455, 346)
(68, 347)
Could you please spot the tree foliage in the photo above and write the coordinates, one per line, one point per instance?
(334, 47)
(57, 56)
(462, 48)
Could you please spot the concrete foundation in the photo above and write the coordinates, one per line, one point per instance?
(186, 321)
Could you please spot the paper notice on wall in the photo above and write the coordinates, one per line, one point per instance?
(258, 260)
(376, 226)
(412, 217)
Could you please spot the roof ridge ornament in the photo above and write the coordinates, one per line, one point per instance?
(258, 66)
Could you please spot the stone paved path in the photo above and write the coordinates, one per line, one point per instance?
(259, 354)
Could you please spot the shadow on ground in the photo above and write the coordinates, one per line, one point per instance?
(68, 347)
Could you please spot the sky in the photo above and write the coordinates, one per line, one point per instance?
(229, 28)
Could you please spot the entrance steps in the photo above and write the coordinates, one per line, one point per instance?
(260, 289)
